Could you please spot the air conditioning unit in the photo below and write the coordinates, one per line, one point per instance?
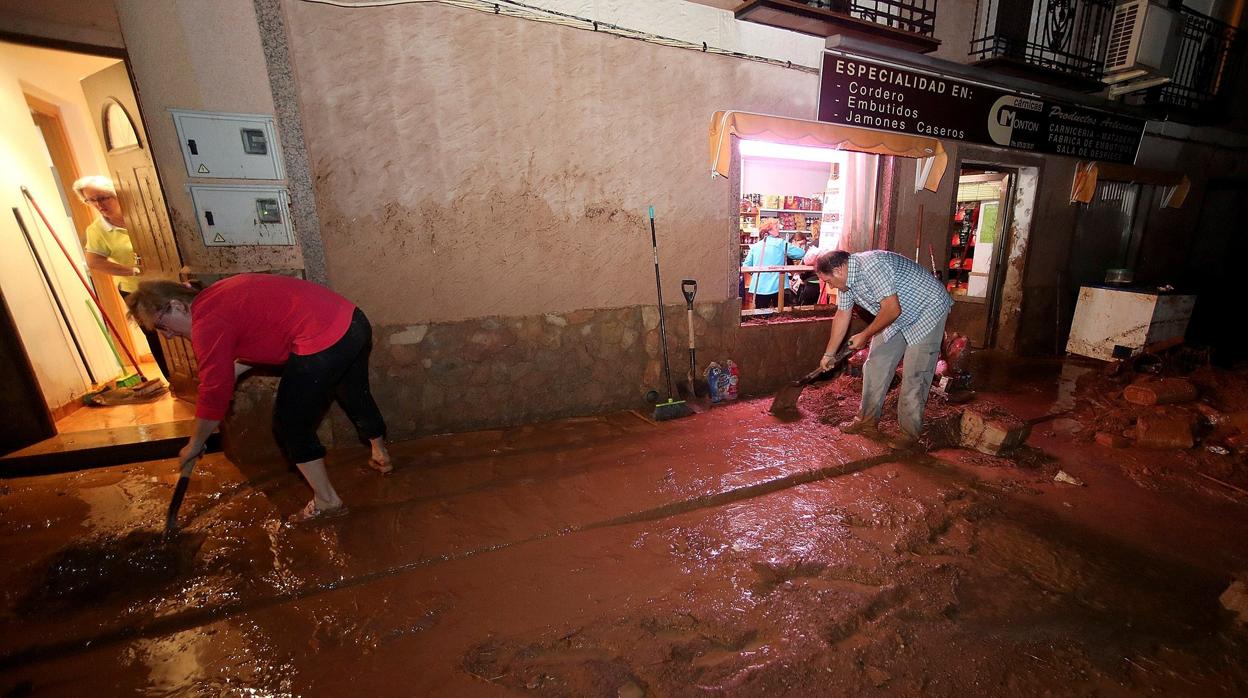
(1143, 43)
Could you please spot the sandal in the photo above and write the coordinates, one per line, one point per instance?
(310, 512)
(383, 467)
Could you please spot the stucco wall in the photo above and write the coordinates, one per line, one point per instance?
(54, 76)
(469, 165)
(189, 54)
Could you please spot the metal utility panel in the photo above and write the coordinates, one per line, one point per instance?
(242, 215)
(228, 146)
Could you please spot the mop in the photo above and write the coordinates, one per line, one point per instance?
(119, 394)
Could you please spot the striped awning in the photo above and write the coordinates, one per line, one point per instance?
(779, 129)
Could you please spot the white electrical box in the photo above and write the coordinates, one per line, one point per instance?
(242, 214)
(228, 146)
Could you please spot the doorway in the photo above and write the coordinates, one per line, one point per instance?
(66, 115)
(979, 241)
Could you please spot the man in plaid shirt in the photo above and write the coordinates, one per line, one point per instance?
(910, 308)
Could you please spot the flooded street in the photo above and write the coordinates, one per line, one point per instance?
(724, 553)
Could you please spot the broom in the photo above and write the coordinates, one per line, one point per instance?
(671, 409)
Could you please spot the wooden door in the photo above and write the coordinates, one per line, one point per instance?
(26, 416)
(115, 113)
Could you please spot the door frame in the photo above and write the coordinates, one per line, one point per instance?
(1001, 248)
(106, 52)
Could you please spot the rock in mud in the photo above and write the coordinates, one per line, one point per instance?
(1235, 599)
(992, 431)
(1063, 476)
(1159, 392)
(1112, 440)
(1163, 432)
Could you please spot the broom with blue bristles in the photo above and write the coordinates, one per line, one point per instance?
(671, 409)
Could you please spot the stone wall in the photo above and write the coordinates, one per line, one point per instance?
(495, 371)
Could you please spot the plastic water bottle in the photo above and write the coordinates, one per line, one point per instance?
(713, 375)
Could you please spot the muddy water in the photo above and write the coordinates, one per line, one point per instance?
(726, 552)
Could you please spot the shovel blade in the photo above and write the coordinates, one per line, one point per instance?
(179, 493)
(785, 401)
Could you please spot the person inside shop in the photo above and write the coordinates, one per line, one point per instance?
(321, 340)
(910, 308)
(808, 285)
(769, 251)
(109, 250)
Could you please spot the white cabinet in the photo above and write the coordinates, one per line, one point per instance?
(228, 146)
(1110, 317)
(242, 214)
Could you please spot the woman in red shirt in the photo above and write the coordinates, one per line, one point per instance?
(321, 338)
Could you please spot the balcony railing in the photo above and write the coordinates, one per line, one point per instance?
(1206, 70)
(1049, 39)
(914, 16)
(908, 24)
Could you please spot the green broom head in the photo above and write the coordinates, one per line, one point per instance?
(672, 409)
(129, 381)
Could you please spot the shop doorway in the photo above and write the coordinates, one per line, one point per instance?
(979, 240)
(71, 114)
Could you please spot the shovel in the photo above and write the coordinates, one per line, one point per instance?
(785, 401)
(179, 493)
(689, 287)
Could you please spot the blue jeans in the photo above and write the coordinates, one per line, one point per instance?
(916, 376)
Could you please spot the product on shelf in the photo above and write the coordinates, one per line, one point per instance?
(780, 202)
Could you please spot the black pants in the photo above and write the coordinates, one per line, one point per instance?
(769, 300)
(153, 341)
(310, 382)
(765, 300)
(809, 295)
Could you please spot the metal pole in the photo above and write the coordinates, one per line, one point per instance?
(52, 290)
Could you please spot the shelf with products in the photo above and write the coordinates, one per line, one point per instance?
(812, 212)
(962, 246)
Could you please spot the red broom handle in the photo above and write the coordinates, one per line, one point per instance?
(85, 285)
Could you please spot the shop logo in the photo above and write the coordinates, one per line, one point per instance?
(1001, 118)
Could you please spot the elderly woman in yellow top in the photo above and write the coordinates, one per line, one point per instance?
(108, 248)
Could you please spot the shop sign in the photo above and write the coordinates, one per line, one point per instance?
(859, 92)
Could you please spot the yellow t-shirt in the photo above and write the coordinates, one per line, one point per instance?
(114, 243)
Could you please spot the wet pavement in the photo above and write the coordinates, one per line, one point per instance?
(724, 553)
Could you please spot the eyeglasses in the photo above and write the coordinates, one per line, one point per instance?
(97, 200)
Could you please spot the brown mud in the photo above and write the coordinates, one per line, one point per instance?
(725, 553)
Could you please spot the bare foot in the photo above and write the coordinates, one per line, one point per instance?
(382, 465)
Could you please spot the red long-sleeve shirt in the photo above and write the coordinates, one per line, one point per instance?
(259, 319)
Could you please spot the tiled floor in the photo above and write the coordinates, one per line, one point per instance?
(164, 410)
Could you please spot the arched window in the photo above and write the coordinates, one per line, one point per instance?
(119, 130)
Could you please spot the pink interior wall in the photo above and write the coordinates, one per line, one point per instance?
(471, 165)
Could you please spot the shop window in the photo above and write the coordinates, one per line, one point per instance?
(795, 202)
